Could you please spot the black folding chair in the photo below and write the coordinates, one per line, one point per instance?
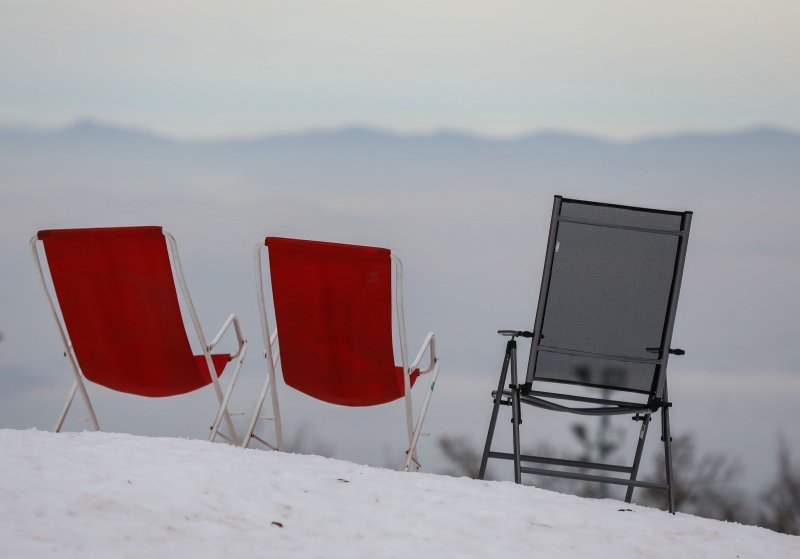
(603, 324)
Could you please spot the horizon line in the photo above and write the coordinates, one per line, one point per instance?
(389, 131)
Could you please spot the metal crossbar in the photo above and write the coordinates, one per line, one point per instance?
(587, 399)
(573, 397)
(600, 355)
(562, 462)
(626, 227)
(600, 479)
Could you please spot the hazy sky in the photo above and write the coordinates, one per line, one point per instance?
(207, 68)
(625, 68)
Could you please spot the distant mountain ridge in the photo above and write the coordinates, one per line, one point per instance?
(360, 159)
(91, 131)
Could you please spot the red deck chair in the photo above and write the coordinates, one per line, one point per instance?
(122, 326)
(333, 307)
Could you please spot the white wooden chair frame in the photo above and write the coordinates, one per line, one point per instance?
(272, 357)
(78, 384)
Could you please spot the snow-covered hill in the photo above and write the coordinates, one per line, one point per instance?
(113, 495)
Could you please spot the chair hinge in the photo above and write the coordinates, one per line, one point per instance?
(524, 388)
(655, 403)
(503, 402)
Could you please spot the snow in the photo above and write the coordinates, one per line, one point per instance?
(114, 495)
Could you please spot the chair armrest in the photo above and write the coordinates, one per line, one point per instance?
(232, 319)
(430, 345)
(515, 333)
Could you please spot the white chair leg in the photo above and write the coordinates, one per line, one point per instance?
(67, 404)
(77, 385)
(411, 453)
(269, 385)
(256, 413)
(223, 406)
(276, 412)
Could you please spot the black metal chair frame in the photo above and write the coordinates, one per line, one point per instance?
(516, 394)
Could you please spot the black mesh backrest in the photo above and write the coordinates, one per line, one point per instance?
(609, 294)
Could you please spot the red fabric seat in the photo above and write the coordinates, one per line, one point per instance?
(118, 300)
(333, 306)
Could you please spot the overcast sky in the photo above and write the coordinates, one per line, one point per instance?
(619, 68)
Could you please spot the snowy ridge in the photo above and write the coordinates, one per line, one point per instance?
(113, 495)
